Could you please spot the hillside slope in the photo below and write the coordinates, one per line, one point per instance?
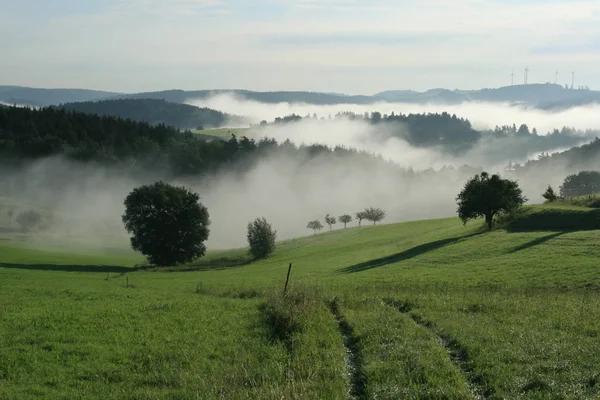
(46, 97)
(154, 112)
(426, 309)
(544, 96)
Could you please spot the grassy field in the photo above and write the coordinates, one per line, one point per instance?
(223, 132)
(418, 310)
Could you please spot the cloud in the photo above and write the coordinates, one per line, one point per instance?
(337, 46)
(169, 7)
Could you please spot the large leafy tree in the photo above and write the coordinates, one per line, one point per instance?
(487, 196)
(261, 238)
(168, 224)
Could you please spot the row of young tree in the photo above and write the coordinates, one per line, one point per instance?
(374, 215)
(169, 224)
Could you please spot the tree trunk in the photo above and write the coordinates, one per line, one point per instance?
(344, 225)
(488, 220)
(359, 223)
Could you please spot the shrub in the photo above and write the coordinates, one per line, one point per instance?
(550, 195)
(28, 220)
(261, 238)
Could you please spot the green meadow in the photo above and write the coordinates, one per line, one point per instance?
(224, 133)
(417, 310)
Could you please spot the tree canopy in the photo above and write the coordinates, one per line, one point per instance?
(329, 220)
(487, 196)
(168, 224)
(359, 217)
(581, 184)
(154, 112)
(550, 195)
(261, 238)
(315, 225)
(345, 219)
(28, 220)
(374, 214)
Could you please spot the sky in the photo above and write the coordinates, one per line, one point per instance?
(347, 46)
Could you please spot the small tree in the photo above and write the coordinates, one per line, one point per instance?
(10, 214)
(374, 214)
(485, 196)
(345, 219)
(330, 221)
(29, 220)
(315, 225)
(168, 224)
(261, 238)
(550, 195)
(360, 216)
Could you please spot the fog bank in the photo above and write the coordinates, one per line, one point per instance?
(483, 115)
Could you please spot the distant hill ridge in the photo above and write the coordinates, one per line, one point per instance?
(546, 96)
(157, 111)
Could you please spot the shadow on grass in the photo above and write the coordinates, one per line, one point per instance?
(536, 242)
(404, 255)
(70, 268)
(556, 219)
(224, 262)
(209, 264)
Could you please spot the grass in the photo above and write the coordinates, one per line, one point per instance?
(418, 310)
(222, 132)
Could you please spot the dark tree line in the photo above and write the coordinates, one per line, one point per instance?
(452, 133)
(575, 159)
(27, 134)
(582, 184)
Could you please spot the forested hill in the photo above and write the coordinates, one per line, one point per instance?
(182, 96)
(155, 111)
(46, 97)
(28, 134)
(573, 160)
(545, 95)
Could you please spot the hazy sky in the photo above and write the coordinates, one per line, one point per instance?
(358, 47)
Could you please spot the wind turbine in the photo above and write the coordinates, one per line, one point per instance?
(556, 78)
(526, 74)
(512, 78)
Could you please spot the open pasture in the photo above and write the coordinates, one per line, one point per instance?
(417, 310)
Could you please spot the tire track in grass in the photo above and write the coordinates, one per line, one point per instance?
(457, 353)
(354, 362)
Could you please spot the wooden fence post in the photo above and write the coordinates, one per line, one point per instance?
(287, 279)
